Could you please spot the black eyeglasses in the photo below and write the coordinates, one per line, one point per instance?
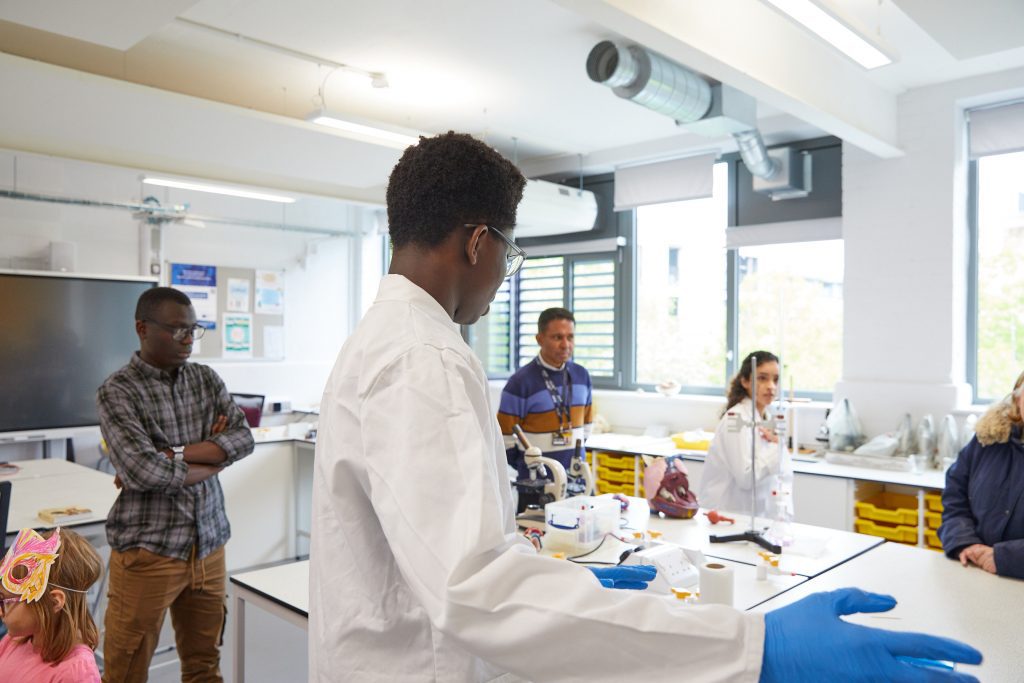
(514, 255)
(196, 331)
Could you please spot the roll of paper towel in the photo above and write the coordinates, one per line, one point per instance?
(716, 584)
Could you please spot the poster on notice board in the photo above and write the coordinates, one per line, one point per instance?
(199, 283)
(238, 335)
(270, 292)
(238, 295)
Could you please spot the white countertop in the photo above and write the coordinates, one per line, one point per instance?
(287, 584)
(630, 444)
(57, 483)
(814, 550)
(938, 596)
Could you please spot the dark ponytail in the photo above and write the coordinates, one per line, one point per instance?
(737, 392)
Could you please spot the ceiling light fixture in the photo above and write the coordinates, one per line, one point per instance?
(833, 31)
(218, 189)
(375, 133)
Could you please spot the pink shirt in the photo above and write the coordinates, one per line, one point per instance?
(19, 662)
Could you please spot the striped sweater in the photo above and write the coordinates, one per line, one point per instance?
(526, 401)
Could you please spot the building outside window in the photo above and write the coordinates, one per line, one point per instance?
(681, 299)
(791, 303)
(999, 326)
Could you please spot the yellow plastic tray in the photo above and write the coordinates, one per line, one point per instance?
(933, 519)
(932, 539)
(891, 508)
(625, 489)
(933, 501)
(898, 533)
(619, 462)
(690, 444)
(615, 476)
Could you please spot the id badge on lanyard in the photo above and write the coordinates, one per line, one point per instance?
(563, 437)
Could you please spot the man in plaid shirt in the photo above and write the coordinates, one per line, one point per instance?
(171, 426)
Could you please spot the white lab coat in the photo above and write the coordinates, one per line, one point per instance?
(416, 570)
(725, 482)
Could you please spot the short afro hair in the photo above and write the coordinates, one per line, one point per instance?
(447, 181)
(151, 300)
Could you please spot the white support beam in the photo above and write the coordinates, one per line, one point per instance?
(753, 48)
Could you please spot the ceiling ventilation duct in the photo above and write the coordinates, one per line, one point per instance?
(656, 82)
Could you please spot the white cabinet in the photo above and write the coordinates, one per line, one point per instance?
(260, 501)
(823, 501)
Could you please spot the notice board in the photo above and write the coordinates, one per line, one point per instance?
(242, 309)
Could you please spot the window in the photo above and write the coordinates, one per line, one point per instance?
(791, 303)
(593, 305)
(681, 300)
(497, 322)
(998, 289)
(672, 291)
(541, 286)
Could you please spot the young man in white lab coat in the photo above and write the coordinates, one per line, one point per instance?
(416, 570)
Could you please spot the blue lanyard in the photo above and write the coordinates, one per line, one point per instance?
(562, 401)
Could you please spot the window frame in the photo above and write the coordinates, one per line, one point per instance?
(623, 227)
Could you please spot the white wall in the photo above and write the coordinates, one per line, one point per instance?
(905, 232)
(324, 274)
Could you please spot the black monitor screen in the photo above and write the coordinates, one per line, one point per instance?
(60, 337)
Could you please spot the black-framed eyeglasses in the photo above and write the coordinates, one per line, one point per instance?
(514, 254)
(196, 331)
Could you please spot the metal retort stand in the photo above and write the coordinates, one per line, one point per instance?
(753, 534)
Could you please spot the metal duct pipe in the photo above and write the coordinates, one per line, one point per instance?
(637, 74)
(755, 155)
(656, 82)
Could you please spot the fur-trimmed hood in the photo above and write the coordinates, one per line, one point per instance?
(997, 424)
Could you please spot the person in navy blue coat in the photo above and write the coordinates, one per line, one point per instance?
(983, 503)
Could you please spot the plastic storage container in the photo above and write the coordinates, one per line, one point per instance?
(625, 489)
(692, 441)
(897, 532)
(621, 462)
(615, 476)
(580, 523)
(933, 501)
(891, 508)
(933, 520)
(932, 539)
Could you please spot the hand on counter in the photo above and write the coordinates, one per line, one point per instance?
(981, 555)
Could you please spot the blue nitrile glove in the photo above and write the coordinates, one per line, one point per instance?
(634, 577)
(808, 642)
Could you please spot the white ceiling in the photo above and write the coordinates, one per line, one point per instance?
(515, 70)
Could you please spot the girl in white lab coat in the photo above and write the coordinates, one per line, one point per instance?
(726, 481)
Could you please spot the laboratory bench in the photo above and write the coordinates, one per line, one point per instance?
(824, 493)
(934, 595)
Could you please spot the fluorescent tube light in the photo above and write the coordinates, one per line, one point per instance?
(390, 138)
(833, 31)
(218, 189)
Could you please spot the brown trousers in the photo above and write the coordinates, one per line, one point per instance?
(143, 585)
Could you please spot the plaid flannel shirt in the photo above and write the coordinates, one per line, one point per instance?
(143, 411)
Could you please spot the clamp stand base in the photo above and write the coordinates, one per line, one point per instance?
(752, 536)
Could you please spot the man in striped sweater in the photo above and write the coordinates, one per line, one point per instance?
(549, 397)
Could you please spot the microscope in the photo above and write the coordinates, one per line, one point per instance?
(536, 490)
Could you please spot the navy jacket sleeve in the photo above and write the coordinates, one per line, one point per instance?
(959, 525)
(1009, 557)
